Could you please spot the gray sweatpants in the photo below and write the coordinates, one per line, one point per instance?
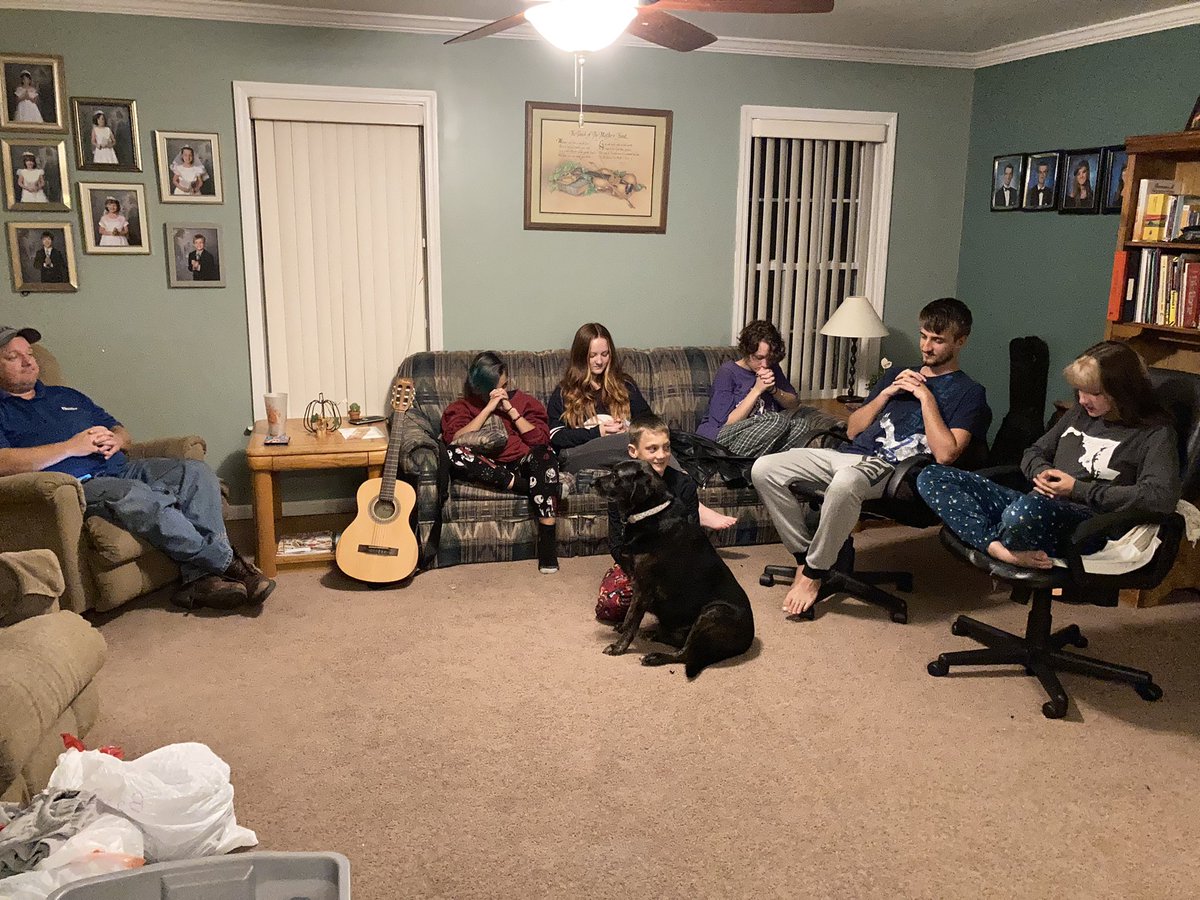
(845, 479)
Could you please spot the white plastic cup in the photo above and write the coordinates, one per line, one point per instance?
(277, 411)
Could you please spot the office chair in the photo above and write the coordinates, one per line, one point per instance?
(1041, 650)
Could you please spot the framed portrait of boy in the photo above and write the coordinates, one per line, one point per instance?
(32, 88)
(1081, 182)
(1114, 163)
(42, 257)
(194, 258)
(1041, 181)
(1006, 182)
(35, 174)
(189, 167)
(106, 134)
(114, 218)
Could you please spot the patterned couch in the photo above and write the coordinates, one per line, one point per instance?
(482, 525)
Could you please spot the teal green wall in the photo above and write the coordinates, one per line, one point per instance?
(171, 361)
(1044, 273)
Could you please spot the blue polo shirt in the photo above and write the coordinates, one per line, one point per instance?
(55, 414)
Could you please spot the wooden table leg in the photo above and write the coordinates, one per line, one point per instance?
(374, 471)
(264, 520)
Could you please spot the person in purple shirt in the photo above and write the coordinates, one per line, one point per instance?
(174, 505)
(751, 401)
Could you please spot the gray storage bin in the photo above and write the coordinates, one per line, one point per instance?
(242, 876)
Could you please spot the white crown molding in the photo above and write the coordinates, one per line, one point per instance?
(277, 14)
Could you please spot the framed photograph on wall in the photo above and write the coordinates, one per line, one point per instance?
(189, 167)
(1006, 182)
(42, 257)
(1081, 181)
(114, 218)
(609, 174)
(1041, 181)
(35, 174)
(106, 134)
(1193, 122)
(32, 87)
(1113, 165)
(194, 257)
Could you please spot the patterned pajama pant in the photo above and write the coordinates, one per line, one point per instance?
(980, 511)
(771, 432)
(534, 475)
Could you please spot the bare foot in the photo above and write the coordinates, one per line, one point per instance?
(710, 518)
(1029, 559)
(802, 595)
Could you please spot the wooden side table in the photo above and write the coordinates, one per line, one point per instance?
(306, 451)
(830, 406)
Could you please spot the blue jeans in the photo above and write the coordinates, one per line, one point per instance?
(174, 505)
(979, 511)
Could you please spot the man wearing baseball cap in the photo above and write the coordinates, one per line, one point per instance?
(172, 504)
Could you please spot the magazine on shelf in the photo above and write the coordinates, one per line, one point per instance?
(310, 542)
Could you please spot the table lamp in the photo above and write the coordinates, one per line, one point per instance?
(855, 319)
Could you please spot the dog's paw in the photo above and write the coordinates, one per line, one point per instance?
(614, 650)
(658, 659)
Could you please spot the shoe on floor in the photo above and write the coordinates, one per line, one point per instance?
(258, 586)
(211, 592)
(548, 568)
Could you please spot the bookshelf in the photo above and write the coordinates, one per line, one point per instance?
(1174, 157)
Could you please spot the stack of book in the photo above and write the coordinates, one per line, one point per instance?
(1163, 211)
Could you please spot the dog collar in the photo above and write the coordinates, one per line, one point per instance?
(647, 513)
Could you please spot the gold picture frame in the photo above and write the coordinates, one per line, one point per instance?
(118, 151)
(126, 229)
(32, 271)
(24, 112)
(50, 159)
(609, 174)
(206, 155)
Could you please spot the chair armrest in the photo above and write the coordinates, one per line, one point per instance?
(44, 510)
(837, 433)
(418, 443)
(1113, 525)
(188, 447)
(30, 584)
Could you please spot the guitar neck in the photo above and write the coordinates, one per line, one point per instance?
(391, 463)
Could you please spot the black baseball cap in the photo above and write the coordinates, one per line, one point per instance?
(7, 333)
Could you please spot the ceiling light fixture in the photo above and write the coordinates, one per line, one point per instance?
(581, 26)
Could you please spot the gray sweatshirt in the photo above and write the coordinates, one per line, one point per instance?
(1115, 467)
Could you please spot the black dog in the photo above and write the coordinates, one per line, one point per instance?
(676, 574)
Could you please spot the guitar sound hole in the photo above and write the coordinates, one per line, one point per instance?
(384, 509)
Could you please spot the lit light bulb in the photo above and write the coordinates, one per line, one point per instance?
(581, 26)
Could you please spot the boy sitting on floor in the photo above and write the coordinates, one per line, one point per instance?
(650, 442)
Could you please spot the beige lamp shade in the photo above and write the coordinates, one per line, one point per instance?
(855, 318)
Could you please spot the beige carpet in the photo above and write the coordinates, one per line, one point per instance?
(465, 737)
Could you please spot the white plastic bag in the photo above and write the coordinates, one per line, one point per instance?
(109, 844)
(179, 795)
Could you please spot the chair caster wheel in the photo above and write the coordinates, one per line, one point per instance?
(766, 580)
(938, 668)
(957, 629)
(1149, 691)
(904, 583)
(900, 617)
(1052, 710)
(1075, 637)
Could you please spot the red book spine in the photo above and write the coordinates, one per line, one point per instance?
(1191, 295)
(1116, 291)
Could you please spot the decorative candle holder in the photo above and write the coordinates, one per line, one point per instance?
(321, 416)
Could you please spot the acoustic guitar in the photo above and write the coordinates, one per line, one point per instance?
(379, 545)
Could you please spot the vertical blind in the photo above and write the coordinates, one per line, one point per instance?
(341, 224)
(809, 225)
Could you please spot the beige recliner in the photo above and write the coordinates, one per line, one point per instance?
(103, 565)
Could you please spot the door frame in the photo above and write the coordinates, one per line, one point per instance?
(243, 91)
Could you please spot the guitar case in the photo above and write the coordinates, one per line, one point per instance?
(1028, 366)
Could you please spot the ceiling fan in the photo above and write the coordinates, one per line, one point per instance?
(585, 25)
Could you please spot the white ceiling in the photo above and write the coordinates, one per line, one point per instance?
(962, 26)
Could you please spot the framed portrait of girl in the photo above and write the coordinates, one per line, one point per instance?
(35, 174)
(1081, 182)
(106, 134)
(189, 167)
(33, 93)
(114, 218)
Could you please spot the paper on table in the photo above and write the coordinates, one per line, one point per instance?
(362, 433)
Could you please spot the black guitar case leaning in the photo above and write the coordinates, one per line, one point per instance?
(1028, 366)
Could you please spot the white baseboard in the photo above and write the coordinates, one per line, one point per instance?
(298, 508)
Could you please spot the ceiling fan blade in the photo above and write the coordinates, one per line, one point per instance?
(494, 28)
(664, 29)
(746, 6)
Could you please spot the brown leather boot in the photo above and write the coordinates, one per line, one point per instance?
(258, 586)
(211, 592)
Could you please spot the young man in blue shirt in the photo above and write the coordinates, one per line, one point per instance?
(936, 409)
(172, 504)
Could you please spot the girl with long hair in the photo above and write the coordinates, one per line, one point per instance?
(1114, 450)
(31, 179)
(113, 227)
(104, 142)
(526, 465)
(27, 99)
(1079, 188)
